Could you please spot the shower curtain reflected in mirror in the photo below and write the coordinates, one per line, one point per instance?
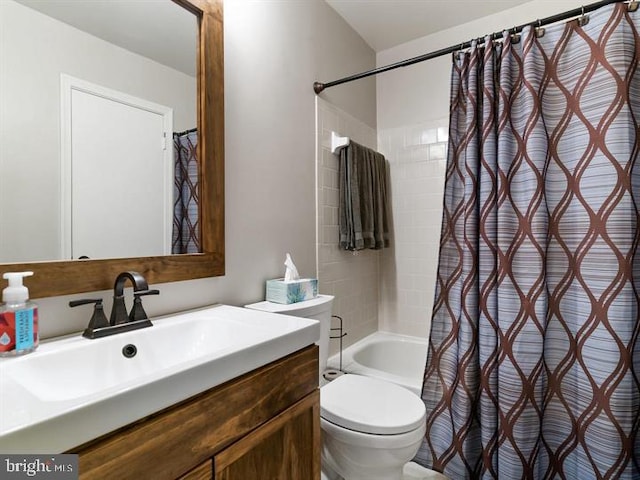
(533, 356)
(186, 234)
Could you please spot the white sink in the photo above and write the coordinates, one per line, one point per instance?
(72, 390)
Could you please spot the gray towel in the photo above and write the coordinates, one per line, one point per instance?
(363, 198)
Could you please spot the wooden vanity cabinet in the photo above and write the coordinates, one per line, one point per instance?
(262, 425)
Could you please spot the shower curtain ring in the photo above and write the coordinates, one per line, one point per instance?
(515, 38)
(456, 54)
(539, 30)
(583, 20)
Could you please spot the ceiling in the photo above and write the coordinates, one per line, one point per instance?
(170, 36)
(386, 23)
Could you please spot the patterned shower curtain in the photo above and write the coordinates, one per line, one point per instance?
(186, 231)
(533, 366)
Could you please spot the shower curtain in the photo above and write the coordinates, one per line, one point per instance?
(186, 231)
(533, 360)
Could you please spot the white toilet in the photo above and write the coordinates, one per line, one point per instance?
(370, 428)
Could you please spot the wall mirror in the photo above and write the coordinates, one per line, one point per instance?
(184, 93)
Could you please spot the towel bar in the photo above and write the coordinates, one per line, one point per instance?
(338, 142)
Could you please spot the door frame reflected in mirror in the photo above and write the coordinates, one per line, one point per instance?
(77, 276)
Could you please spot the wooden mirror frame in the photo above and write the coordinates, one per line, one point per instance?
(77, 276)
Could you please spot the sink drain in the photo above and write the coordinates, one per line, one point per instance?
(129, 350)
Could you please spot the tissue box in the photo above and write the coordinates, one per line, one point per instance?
(279, 291)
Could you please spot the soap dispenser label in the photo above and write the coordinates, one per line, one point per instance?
(24, 329)
(18, 330)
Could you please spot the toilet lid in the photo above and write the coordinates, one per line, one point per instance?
(369, 405)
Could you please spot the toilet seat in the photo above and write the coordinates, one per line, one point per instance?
(367, 405)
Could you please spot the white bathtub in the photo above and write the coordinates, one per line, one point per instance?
(396, 358)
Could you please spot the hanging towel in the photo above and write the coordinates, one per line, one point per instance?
(362, 175)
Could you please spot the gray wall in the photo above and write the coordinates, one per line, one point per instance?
(274, 51)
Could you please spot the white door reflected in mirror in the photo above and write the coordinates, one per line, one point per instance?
(117, 150)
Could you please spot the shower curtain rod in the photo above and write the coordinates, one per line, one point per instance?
(191, 130)
(318, 87)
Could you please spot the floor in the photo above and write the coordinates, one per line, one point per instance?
(413, 471)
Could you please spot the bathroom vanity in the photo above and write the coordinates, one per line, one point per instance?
(265, 424)
(218, 392)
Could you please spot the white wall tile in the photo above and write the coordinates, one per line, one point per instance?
(429, 136)
(353, 279)
(437, 151)
(443, 134)
(391, 290)
(408, 270)
(331, 196)
(329, 160)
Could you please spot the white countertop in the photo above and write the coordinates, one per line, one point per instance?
(72, 390)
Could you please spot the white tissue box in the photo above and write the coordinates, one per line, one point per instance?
(279, 291)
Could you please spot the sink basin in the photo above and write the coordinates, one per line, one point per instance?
(72, 390)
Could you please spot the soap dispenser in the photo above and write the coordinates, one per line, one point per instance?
(18, 317)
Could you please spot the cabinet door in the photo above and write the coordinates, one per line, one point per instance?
(285, 448)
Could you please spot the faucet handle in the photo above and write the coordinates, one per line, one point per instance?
(98, 319)
(137, 311)
(142, 293)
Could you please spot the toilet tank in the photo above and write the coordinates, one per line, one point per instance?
(318, 308)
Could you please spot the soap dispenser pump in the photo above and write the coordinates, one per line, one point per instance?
(18, 317)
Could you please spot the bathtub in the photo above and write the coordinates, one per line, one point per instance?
(389, 356)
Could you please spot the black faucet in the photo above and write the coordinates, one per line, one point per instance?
(140, 288)
(119, 321)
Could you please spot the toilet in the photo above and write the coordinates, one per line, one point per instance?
(370, 428)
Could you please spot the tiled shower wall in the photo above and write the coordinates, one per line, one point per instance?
(417, 159)
(352, 278)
